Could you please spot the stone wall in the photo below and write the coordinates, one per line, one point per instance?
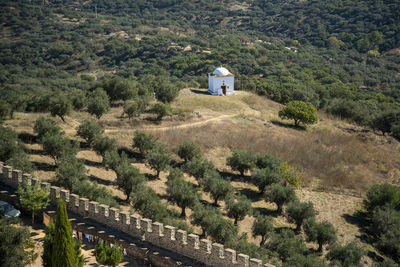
(164, 236)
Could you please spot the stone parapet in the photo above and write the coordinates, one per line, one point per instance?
(163, 236)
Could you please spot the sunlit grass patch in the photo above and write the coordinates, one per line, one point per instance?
(215, 103)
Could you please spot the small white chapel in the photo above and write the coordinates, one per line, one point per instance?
(221, 82)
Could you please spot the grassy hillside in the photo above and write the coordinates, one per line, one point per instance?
(338, 56)
(341, 56)
(339, 161)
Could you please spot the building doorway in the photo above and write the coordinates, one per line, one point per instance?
(223, 87)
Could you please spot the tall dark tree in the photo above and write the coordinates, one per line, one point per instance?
(48, 244)
(64, 252)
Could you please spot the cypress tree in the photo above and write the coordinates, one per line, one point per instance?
(64, 253)
(48, 244)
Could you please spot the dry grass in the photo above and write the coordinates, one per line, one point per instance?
(337, 160)
(333, 155)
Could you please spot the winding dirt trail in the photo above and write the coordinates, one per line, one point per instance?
(180, 126)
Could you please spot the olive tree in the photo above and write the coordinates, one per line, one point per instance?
(241, 161)
(182, 193)
(262, 226)
(280, 195)
(239, 209)
(60, 105)
(298, 212)
(300, 112)
(320, 232)
(143, 142)
(158, 159)
(188, 151)
(98, 103)
(89, 131)
(128, 176)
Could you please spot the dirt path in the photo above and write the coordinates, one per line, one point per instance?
(180, 126)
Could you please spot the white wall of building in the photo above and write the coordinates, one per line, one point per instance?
(215, 83)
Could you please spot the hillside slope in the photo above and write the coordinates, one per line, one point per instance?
(339, 160)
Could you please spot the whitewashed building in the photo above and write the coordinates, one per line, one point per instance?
(221, 82)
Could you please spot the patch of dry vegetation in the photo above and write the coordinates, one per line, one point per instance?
(333, 155)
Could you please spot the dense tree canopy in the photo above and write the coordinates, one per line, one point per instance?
(300, 112)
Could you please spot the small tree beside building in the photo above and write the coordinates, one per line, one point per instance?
(300, 112)
(33, 198)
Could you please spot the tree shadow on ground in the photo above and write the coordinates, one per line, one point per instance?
(151, 177)
(93, 163)
(83, 145)
(251, 194)
(41, 166)
(359, 220)
(28, 138)
(137, 157)
(374, 256)
(154, 120)
(200, 92)
(98, 180)
(288, 125)
(122, 200)
(32, 151)
(266, 212)
(233, 177)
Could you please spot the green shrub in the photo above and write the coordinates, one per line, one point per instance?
(107, 255)
(241, 161)
(188, 151)
(347, 255)
(144, 143)
(89, 131)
